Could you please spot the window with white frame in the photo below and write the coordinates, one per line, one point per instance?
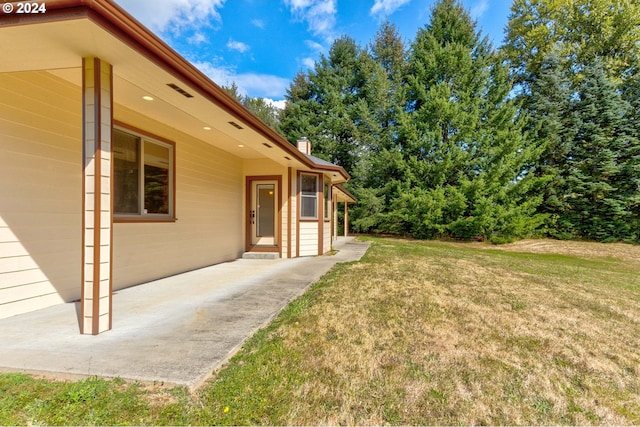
(308, 196)
(142, 176)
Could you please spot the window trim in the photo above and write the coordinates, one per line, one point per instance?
(326, 190)
(155, 139)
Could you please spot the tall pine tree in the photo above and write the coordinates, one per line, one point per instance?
(599, 180)
(551, 125)
(572, 60)
(468, 164)
(323, 104)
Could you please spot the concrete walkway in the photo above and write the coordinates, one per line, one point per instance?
(175, 331)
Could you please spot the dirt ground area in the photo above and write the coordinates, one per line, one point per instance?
(623, 251)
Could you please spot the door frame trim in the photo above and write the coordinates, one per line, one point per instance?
(278, 237)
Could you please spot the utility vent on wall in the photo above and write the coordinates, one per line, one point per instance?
(235, 125)
(179, 90)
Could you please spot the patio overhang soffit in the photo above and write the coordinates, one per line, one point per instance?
(143, 65)
(343, 195)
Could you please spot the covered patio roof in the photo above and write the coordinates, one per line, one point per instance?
(343, 195)
(143, 66)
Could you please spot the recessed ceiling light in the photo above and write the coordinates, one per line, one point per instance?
(241, 145)
(147, 98)
(206, 128)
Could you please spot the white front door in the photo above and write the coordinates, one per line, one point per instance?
(264, 213)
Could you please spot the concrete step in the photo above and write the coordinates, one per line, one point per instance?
(261, 255)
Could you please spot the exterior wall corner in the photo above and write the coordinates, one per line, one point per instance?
(97, 234)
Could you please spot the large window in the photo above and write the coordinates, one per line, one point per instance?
(142, 177)
(308, 196)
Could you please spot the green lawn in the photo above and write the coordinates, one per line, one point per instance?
(414, 333)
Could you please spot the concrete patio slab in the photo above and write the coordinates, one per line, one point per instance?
(175, 331)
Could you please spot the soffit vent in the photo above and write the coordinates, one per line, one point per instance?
(266, 145)
(180, 90)
(235, 125)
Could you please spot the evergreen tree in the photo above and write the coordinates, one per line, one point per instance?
(565, 55)
(299, 117)
(267, 112)
(599, 175)
(382, 166)
(631, 154)
(467, 161)
(322, 105)
(551, 126)
(578, 31)
(389, 52)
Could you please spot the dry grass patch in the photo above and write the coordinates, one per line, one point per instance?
(416, 333)
(621, 251)
(439, 333)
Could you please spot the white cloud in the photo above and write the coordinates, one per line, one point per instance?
(386, 7)
(223, 76)
(309, 62)
(278, 104)
(252, 84)
(479, 9)
(259, 23)
(239, 46)
(320, 15)
(317, 49)
(314, 46)
(197, 38)
(299, 4)
(173, 15)
(262, 85)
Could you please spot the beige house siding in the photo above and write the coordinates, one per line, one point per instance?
(308, 238)
(326, 237)
(209, 226)
(40, 191)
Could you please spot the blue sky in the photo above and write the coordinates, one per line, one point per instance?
(261, 44)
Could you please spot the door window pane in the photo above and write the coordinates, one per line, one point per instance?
(266, 209)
